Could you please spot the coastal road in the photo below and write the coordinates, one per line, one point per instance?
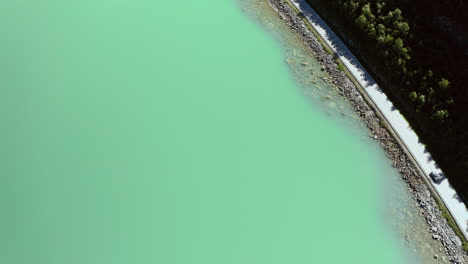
(398, 123)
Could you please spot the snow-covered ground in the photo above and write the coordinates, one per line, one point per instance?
(456, 207)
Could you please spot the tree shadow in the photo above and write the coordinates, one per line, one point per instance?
(336, 43)
(429, 157)
(455, 196)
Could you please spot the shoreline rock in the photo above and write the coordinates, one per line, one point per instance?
(437, 224)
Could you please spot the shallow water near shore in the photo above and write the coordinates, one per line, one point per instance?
(400, 212)
(162, 132)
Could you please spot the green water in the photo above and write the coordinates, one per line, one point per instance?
(170, 132)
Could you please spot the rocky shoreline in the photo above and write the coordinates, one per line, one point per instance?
(428, 207)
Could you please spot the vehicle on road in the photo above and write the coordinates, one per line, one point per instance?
(437, 177)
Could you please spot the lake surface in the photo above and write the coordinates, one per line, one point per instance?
(195, 132)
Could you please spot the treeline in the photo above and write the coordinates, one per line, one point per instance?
(388, 33)
(420, 49)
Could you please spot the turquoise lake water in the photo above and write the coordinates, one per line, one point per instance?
(170, 132)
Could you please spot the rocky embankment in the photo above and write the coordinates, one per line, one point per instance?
(428, 207)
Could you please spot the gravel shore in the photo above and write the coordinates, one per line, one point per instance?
(437, 224)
